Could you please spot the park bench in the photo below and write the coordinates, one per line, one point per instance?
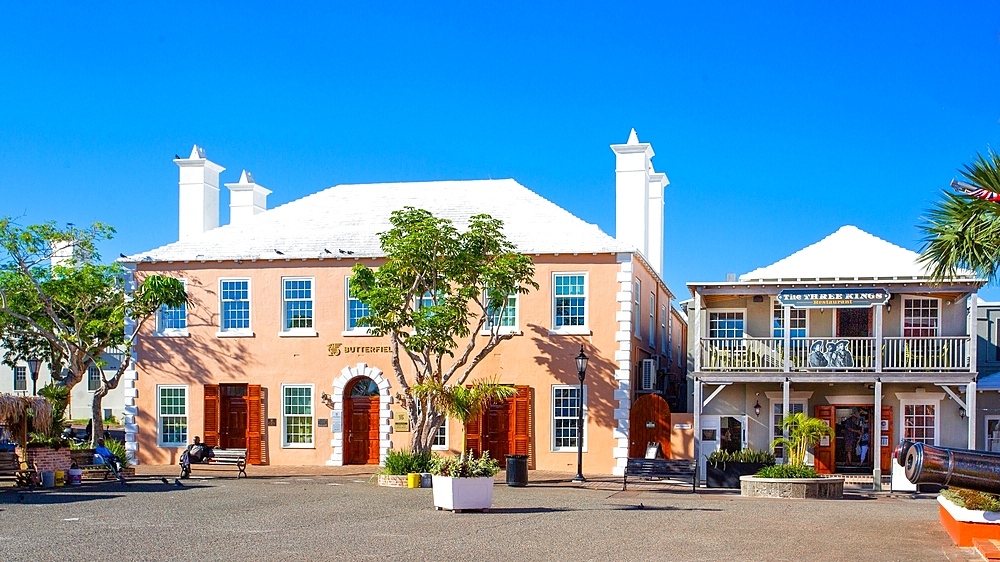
(10, 465)
(221, 458)
(683, 470)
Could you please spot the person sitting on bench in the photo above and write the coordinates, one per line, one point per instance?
(102, 455)
(196, 452)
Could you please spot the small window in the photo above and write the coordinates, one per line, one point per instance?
(652, 320)
(726, 328)
(796, 319)
(93, 378)
(569, 295)
(20, 378)
(566, 404)
(297, 416)
(440, 442)
(637, 304)
(356, 310)
(297, 305)
(235, 314)
(172, 414)
(776, 431)
(920, 422)
(664, 346)
(172, 321)
(920, 318)
(504, 318)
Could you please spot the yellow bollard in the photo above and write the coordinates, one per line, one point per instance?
(413, 480)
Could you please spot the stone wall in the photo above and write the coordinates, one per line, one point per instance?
(44, 459)
(814, 488)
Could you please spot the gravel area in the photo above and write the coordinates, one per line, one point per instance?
(339, 514)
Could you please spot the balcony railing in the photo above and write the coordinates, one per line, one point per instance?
(940, 354)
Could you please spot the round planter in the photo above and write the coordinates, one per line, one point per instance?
(801, 488)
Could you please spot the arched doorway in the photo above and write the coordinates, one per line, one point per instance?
(362, 422)
(649, 421)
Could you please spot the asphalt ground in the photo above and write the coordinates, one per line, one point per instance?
(308, 513)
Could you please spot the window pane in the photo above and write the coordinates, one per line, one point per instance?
(297, 414)
(356, 310)
(298, 303)
(570, 302)
(173, 415)
(235, 305)
(565, 411)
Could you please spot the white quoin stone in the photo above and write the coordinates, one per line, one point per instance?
(246, 199)
(639, 200)
(199, 194)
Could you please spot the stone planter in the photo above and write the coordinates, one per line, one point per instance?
(727, 474)
(459, 494)
(964, 525)
(811, 488)
(44, 459)
(400, 480)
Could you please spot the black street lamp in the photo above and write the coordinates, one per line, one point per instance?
(33, 365)
(581, 369)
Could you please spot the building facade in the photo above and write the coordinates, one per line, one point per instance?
(987, 413)
(19, 381)
(850, 330)
(270, 355)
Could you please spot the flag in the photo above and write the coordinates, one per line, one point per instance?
(977, 192)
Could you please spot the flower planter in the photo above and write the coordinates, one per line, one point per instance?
(400, 480)
(44, 459)
(460, 494)
(964, 525)
(727, 474)
(811, 488)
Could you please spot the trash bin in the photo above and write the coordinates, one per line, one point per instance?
(75, 476)
(48, 479)
(517, 470)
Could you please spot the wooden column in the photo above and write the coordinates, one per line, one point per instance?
(970, 412)
(697, 333)
(697, 428)
(875, 437)
(786, 391)
(878, 338)
(786, 314)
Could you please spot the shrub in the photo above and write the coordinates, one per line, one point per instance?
(972, 499)
(405, 462)
(465, 466)
(744, 455)
(787, 471)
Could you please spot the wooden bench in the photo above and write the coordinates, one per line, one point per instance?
(10, 465)
(683, 470)
(221, 458)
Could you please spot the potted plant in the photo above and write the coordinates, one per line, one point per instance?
(724, 468)
(400, 464)
(463, 482)
(969, 514)
(795, 479)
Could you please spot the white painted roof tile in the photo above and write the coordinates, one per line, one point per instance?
(348, 218)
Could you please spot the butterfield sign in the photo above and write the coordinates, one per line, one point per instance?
(336, 349)
(838, 298)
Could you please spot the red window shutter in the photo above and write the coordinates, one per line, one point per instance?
(254, 424)
(522, 421)
(211, 437)
(473, 435)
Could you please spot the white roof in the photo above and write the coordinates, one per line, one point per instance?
(345, 220)
(849, 253)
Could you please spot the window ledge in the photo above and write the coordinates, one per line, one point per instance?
(173, 334)
(439, 448)
(503, 332)
(235, 334)
(289, 446)
(298, 334)
(570, 331)
(357, 333)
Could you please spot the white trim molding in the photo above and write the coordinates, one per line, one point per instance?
(347, 375)
(623, 356)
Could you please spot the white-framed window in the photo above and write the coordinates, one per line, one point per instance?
(652, 320)
(794, 407)
(20, 378)
(234, 309)
(637, 308)
(172, 415)
(172, 320)
(297, 306)
(920, 421)
(297, 416)
(569, 303)
(992, 433)
(440, 441)
(797, 320)
(504, 319)
(664, 347)
(921, 317)
(566, 404)
(669, 344)
(93, 378)
(726, 328)
(354, 312)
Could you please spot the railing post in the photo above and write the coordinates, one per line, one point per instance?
(697, 332)
(878, 338)
(786, 314)
(973, 331)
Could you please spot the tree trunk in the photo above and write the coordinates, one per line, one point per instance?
(97, 415)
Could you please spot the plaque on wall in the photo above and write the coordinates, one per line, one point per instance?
(401, 422)
(272, 422)
(336, 421)
(824, 441)
(322, 422)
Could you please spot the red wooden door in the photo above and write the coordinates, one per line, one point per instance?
(887, 443)
(233, 433)
(825, 453)
(504, 429)
(649, 421)
(362, 432)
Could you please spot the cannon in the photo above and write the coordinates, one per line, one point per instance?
(975, 470)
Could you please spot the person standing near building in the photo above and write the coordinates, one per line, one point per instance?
(852, 433)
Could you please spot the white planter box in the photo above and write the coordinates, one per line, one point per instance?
(463, 493)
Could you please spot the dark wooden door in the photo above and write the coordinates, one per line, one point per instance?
(233, 434)
(887, 443)
(362, 430)
(649, 421)
(825, 453)
(496, 430)
(504, 429)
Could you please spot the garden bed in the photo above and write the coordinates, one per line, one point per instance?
(964, 525)
(803, 488)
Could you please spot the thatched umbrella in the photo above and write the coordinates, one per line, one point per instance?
(14, 411)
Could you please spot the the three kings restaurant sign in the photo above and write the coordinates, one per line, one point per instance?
(833, 297)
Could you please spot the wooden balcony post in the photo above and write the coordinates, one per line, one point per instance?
(697, 332)
(973, 331)
(786, 314)
(970, 412)
(878, 338)
(875, 437)
(786, 391)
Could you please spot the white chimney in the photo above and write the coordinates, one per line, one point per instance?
(199, 194)
(246, 199)
(62, 254)
(639, 200)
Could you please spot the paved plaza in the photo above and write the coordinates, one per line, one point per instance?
(283, 513)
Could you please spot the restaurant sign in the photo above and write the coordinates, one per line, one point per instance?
(833, 297)
(335, 349)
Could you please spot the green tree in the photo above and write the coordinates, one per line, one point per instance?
(433, 297)
(74, 312)
(803, 432)
(463, 403)
(962, 231)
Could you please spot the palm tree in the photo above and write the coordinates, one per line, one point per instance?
(803, 432)
(963, 231)
(464, 403)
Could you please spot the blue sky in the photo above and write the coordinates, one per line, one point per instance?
(776, 123)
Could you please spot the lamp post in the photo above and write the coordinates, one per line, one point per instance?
(581, 370)
(33, 365)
